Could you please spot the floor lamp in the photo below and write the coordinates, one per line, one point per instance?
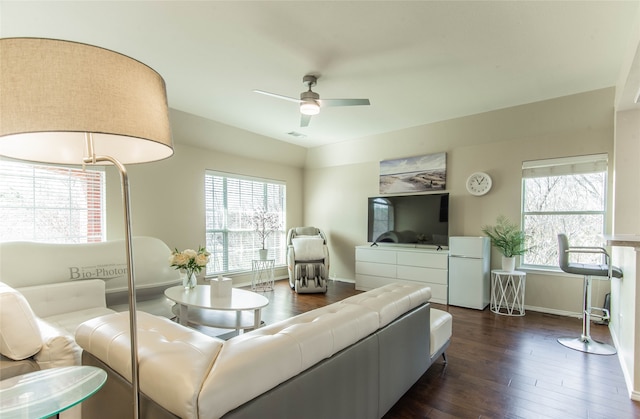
(71, 103)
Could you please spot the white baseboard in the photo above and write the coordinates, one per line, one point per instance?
(553, 311)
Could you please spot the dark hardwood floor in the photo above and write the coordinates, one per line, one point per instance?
(498, 366)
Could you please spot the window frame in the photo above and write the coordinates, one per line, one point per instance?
(565, 166)
(226, 232)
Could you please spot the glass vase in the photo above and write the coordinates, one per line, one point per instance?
(189, 280)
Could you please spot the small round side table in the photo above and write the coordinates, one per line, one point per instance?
(507, 292)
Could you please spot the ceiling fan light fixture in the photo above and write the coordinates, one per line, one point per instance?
(309, 107)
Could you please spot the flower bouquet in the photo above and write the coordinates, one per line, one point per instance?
(191, 262)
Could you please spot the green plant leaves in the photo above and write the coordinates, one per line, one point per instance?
(507, 237)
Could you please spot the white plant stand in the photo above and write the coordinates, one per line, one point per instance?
(263, 278)
(507, 292)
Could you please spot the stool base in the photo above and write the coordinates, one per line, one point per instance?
(588, 345)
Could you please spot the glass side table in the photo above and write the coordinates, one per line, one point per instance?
(263, 279)
(48, 392)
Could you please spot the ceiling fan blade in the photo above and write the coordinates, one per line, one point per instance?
(290, 99)
(344, 102)
(304, 120)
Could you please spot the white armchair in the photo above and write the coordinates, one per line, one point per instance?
(307, 259)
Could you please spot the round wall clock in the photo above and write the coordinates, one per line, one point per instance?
(479, 183)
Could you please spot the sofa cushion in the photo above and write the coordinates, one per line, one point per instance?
(278, 352)
(48, 300)
(70, 321)
(392, 300)
(10, 368)
(19, 332)
(308, 248)
(59, 348)
(441, 328)
(173, 359)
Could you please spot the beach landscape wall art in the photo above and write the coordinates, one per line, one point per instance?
(414, 174)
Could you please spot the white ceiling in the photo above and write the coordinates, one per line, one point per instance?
(417, 61)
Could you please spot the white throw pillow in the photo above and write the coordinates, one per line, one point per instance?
(19, 332)
(308, 248)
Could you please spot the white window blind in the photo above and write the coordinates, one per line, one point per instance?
(564, 195)
(565, 166)
(230, 201)
(53, 204)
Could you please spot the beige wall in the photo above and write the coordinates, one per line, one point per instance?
(340, 177)
(627, 173)
(625, 294)
(167, 197)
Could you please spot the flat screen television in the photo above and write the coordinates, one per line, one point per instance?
(409, 219)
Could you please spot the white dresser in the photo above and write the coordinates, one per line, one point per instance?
(377, 266)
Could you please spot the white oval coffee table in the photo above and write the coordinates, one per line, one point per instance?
(196, 306)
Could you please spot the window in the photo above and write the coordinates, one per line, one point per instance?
(53, 204)
(231, 200)
(565, 195)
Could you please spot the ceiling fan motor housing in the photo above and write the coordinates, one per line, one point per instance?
(309, 96)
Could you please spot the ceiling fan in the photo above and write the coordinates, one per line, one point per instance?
(310, 102)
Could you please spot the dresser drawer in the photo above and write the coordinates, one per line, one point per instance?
(376, 269)
(425, 275)
(428, 260)
(375, 255)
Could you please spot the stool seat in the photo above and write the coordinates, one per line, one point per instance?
(606, 271)
(591, 269)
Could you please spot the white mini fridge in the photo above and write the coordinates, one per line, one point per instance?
(469, 272)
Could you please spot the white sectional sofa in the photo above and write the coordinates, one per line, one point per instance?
(351, 359)
(47, 290)
(38, 323)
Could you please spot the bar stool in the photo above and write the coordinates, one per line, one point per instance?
(584, 343)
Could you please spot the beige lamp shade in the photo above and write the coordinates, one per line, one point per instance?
(53, 92)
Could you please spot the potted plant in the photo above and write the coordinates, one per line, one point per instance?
(509, 239)
(264, 223)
